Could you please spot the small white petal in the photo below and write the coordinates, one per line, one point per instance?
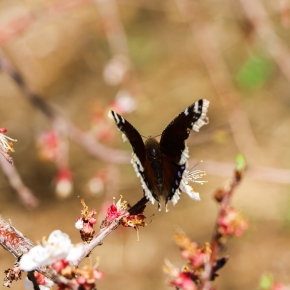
(194, 195)
(79, 224)
(75, 253)
(36, 257)
(57, 247)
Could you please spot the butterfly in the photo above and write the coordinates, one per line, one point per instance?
(162, 166)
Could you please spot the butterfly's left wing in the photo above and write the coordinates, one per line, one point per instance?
(132, 135)
(172, 142)
(139, 156)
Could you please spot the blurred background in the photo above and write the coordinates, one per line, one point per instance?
(65, 63)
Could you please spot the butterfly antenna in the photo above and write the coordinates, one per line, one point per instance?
(195, 165)
(143, 136)
(156, 136)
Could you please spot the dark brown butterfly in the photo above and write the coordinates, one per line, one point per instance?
(162, 166)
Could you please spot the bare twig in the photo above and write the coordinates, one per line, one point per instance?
(258, 16)
(25, 194)
(86, 140)
(220, 78)
(23, 21)
(118, 44)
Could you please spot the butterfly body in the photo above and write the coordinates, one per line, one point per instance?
(162, 166)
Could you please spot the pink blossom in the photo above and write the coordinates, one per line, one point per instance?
(86, 222)
(232, 223)
(59, 265)
(279, 286)
(43, 282)
(183, 281)
(113, 212)
(49, 144)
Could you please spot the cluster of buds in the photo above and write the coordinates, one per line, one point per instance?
(12, 275)
(49, 146)
(231, 223)
(190, 276)
(6, 145)
(43, 282)
(81, 278)
(119, 209)
(63, 183)
(85, 223)
(101, 128)
(58, 253)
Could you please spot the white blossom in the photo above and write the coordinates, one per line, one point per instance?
(57, 247)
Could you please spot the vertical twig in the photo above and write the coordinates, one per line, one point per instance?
(220, 78)
(258, 16)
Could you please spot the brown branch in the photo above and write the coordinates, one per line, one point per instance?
(220, 78)
(24, 193)
(12, 240)
(84, 139)
(98, 238)
(258, 16)
(216, 245)
(118, 44)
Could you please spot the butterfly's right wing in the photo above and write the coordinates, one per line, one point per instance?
(172, 142)
(132, 135)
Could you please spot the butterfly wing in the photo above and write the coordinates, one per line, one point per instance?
(132, 135)
(175, 152)
(172, 142)
(139, 162)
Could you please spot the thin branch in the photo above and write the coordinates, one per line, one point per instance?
(25, 194)
(228, 190)
(98, 238)
(12, 240)
(84, 139)
(118, 44)
(258, 16)
(220, 78)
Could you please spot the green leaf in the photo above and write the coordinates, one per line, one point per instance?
(255, 72)
(266, 281)
(241, 162)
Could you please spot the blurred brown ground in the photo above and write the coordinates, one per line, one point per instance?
(62, 57)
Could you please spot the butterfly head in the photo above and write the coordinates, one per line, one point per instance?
(152, 148)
